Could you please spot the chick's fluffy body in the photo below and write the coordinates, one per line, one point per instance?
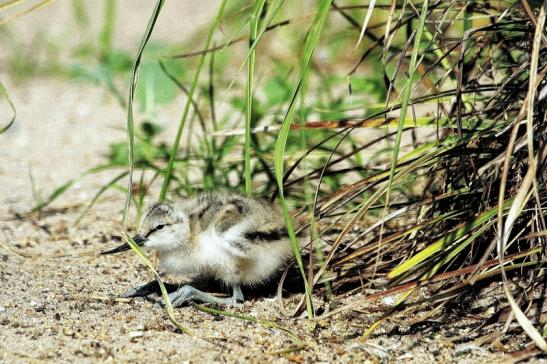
(227, 236)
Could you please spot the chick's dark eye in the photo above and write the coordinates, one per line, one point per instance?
(159, 227)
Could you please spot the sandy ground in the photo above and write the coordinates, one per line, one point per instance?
(57, 294)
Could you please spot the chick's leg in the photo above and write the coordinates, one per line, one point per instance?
(189, 293)
(150, 288)
(237, 294)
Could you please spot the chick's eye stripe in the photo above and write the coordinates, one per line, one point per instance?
(157, 228)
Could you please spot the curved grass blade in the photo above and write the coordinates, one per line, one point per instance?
(458, 249)
(130, 124)
(4, 93)
(299, 343)
(105, 35)
(182, 122)
(532, 86)
(279, 153)
(365, 23)
(444, 242)
(274, 6)
(521, 198)
(24, 12)
(99, 193)
(137, 249)
(255, 19)
(406, 97)
(64, 187)
(527, 188)
(9, 4)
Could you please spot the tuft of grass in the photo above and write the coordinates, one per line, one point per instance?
(182, 122)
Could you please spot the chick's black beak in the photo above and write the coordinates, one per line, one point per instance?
(138, 239)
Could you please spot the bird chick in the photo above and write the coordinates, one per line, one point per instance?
(239, 240)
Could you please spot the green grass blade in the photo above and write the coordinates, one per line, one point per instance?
(365, 22)
(35, 194)
(445, 241)
(274, 9)
(9, 4)
(255, 19)
(23, 12)
(65, 186)
(406, 97)
(99, 193)
(4, 93)
(170, 311)
(460, 247)
(105, 36)
(182, 122)
(130, 123)
(297, 340)
(80, 14)
(279, 153)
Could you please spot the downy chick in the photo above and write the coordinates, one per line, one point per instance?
(224, 235)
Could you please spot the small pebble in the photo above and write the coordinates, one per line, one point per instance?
(38, 306)
(135, 334)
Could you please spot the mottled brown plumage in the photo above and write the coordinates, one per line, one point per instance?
(239, 240)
